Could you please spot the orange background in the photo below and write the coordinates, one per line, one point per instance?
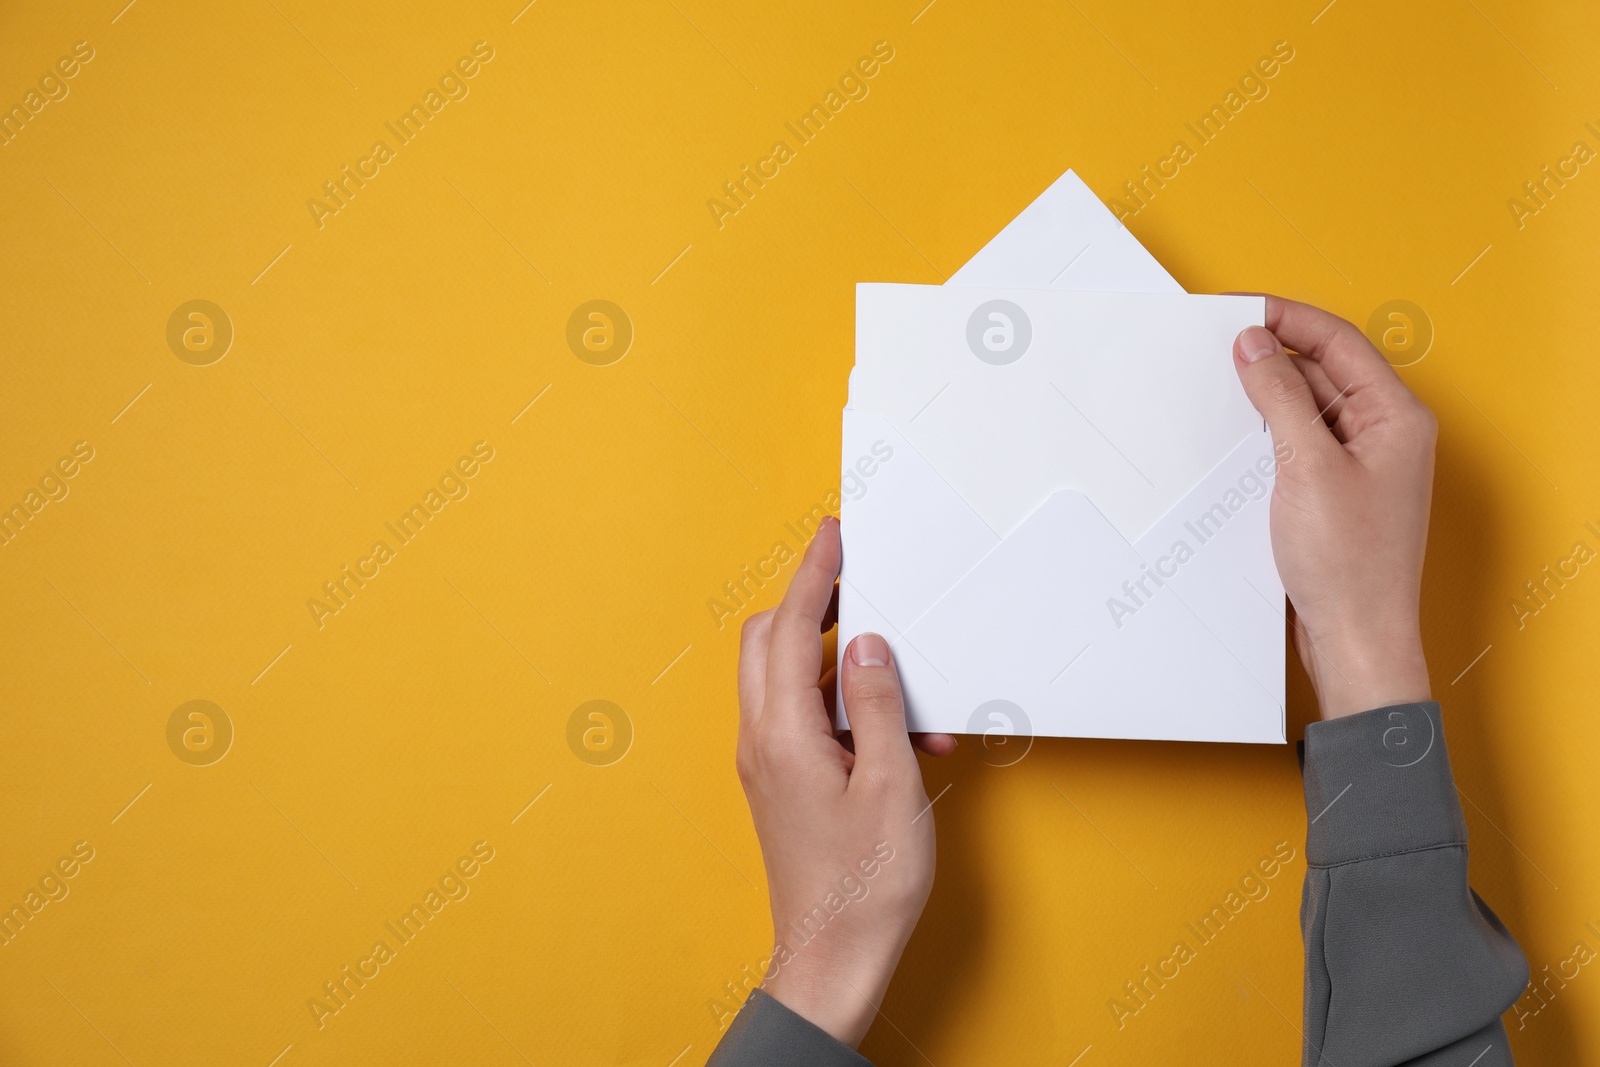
(371, 753)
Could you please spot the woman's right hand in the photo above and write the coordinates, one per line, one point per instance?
(1349, 505)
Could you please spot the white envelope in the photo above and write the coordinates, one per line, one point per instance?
(993, 510)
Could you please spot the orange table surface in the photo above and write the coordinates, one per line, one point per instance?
(312, 418)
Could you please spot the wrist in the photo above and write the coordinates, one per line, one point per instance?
(1374, 671)
(839, 997)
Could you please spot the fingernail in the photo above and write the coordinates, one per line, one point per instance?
(1256, 343)
(869, 650)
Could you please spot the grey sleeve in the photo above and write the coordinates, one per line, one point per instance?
(1404, 964)
(767, 1034)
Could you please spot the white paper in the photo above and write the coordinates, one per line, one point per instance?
(1127, 397)
(1009, 501)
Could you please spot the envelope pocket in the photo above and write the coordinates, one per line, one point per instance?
(1062, 617)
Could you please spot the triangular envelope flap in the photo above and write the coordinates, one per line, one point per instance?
(1066, 239)
(1035, 613)
(1214, 549)
(908, 536)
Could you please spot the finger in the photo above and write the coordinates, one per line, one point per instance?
(1327, 395)
(847, 753)
(875, 705)
(1331, 402)
(1343, 351)
(794, 658)
(830, 618)
(754, 638)
(934, 744)
(1279, 391)
(830, 690)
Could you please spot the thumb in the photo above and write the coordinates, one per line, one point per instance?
(875, 705)
(1278, 390)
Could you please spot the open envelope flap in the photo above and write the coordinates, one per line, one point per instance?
(1036, 608)
(1066, 239)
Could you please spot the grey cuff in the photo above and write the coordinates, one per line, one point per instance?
(1379, 783)
(767, 1034)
